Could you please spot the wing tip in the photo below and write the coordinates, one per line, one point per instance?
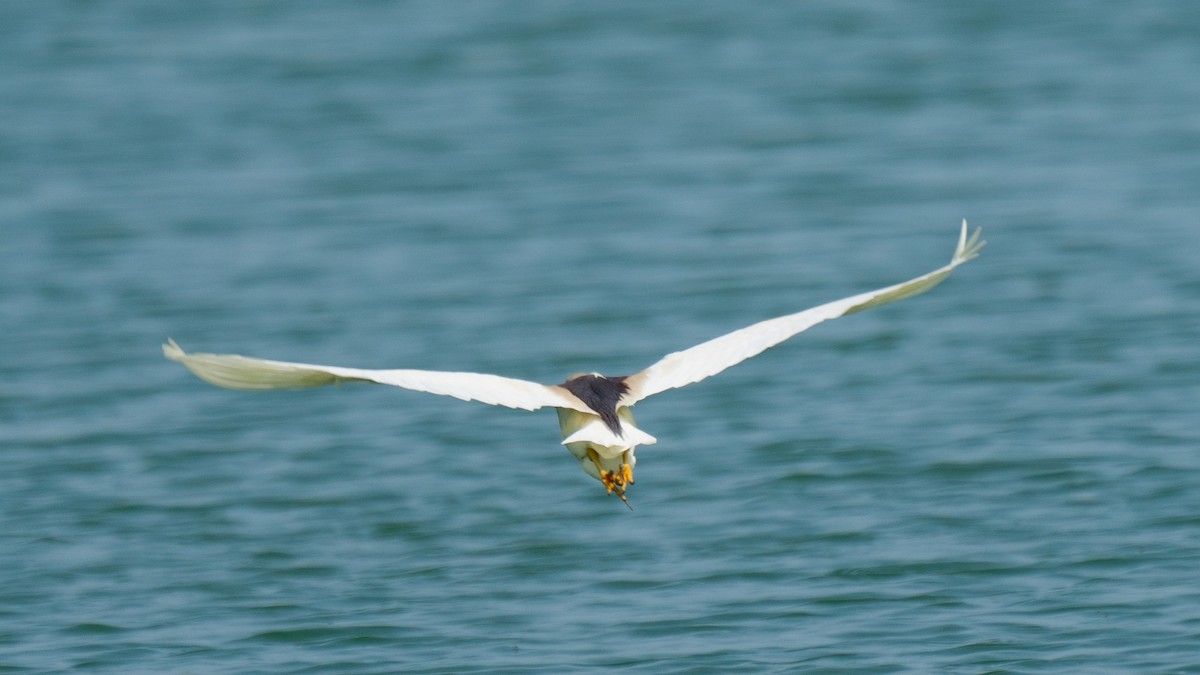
(968, 245)
(172, 350)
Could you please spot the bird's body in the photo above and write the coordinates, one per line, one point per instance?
(593, 410)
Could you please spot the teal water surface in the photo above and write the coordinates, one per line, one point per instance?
(1000, 476)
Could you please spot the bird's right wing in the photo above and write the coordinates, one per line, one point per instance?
(241, 372)
(709, 358)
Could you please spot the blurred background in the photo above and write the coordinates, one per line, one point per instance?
(1000, 475)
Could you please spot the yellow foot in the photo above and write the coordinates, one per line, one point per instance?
(613, 481)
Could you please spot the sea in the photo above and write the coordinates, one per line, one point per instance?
(1000, 476)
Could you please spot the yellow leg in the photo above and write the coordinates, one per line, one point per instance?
(610, 480)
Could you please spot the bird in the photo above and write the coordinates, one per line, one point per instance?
(594, 410)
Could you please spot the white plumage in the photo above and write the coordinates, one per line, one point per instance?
(593, 410)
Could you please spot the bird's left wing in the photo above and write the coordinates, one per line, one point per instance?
(241, 372)
(709, 358)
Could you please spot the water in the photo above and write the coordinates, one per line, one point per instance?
(1000, 476)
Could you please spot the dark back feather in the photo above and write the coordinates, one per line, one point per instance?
(601, 394)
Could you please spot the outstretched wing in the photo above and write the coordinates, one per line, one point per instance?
(709, 358)
(240, 372)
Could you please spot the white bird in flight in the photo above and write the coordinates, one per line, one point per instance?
(593, 409)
